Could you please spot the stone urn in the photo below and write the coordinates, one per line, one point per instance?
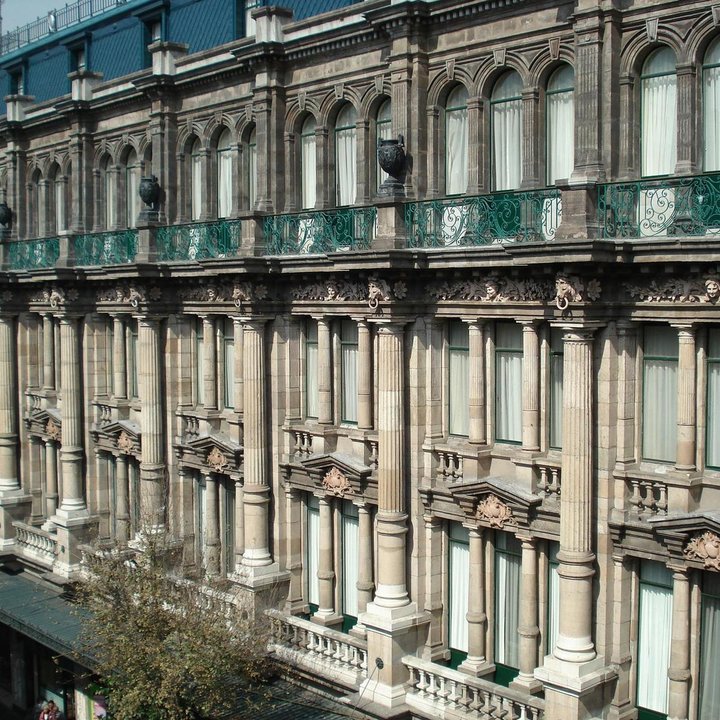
(149, 192)
(391, 156)
(5, 215)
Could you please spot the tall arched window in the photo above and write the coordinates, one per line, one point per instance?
(196, 189)
(456, 142)
(108, 176)
(308, 163)
(383, 131)
(711, 108)
(507, 132)
(560, 108)
(59, 198)
(658, 134)
(35, 225)
(132, 184)
(252, 168)
(224, 175)
(346, 156)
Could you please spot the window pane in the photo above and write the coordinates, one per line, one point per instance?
(199, 365)
(660, 394)
(556, 388)
(60, 214)
(507, 592)
(110, 196)
(252, 170)
(553, 599)
(456, 142)
(458, 378)
(346, 156)
(508, 382)
(196, 192)
(659, 114)
(383, 131)
(229, 534)
(458, 586)
(312, 550)
(224, 178)
(308, 162)
(229, 358)
(709, 648)
(711, 107)
(311, 370)
(350, 557)
(349, 353)
(713, 399)
(200, 514)
(507, 132)
(560, 125)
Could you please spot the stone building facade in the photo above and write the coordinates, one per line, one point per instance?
(467, 433)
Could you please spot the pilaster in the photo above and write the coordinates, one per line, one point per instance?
(679, 671)
(686, 403)
(476, 351)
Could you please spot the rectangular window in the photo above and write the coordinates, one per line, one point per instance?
(709, 647)
(713, 400)
(458, 378)
(458, 588)
(350, 568)
(660, 364)
(349, 354)
(507, 594)
(311, 369)
(60, 209)
(133, 388)
(553, 597)
(199, 364)
(508, 382)
(229, 363)
(252, 171)
(654, 636)
(556, 388)
(312, 552)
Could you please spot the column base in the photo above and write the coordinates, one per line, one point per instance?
(328, 619)
(256, 577)
(527, 683)
(476, 667)
(73, 530)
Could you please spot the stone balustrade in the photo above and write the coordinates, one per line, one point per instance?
(549, 480)
(450, 465)
(34, 543)
(647, 496)
(438, 691)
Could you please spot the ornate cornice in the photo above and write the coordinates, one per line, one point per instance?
(132, 295)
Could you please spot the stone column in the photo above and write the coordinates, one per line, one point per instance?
(476, 351)
(325, 404)
(326, 573)
(365, 375)
(122, 505)
(9, 480)
(528, 629)
(256, 490)
(209, 350)
(48, 352)
(475, 130)
(51, 479)
(119, 359)
(239, 379)
(476, 662)
(679, 670)
(687, 119)
(686, 405)
(530, 103)
(531, 388)
(365, 583)
(212, 526)
(152, 466)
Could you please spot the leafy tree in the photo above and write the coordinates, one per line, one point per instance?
(166, 648)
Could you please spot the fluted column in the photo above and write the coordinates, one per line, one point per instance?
(209, 365)
(71, 450)
(48, 352)
(476, 351)
(528, 629)
(51, 479)
(686, 404)
(212, 526)
(326, 574)
(531, 387)
(122, 504)
(239, 524)
(687, 119)
(152, 466)
(365, 374)
(9, 481)
(391, 517)
(365, 583)
(575, 643)
(679, 670)
(256, 491)
(325, 409)
(476, 616)
(238, 356)
(119, 359)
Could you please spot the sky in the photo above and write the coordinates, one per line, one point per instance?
(21, 12)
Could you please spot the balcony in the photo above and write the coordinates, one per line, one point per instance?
(35, 544)
(505, 217)
(672, 207)
(106, 248)
(199, 241)
(32, 254)
(315, 233)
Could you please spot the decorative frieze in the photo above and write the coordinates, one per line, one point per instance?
(495, 512)
(374, 291)
(336, 483)
(132, 295)
(493, 288)
(705, 547)
(697, 289)
(571, 289)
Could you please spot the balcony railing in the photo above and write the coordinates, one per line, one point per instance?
(661, 208)
(199, 241)
(313, 233)
(32, 254)
(106, 248)
(504, 217)
(36, 543)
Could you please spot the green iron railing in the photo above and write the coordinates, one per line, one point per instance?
(199, 241)
(319, 232)
(32, 254)
(106, 248)
(661, 208)
(502, 217)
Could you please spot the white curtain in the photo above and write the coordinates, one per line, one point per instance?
(711, 107)
(196, 188)
(224, 175)
(346, 156)
(508, 382)
(556, 388)
(654, 636)
(659, 114)
(553, 597)
(311, 370)
(199, 364)
(710, 648)
(458, 586)
(252, 170)
(507, 594)
(713, 400)
(350, 558)
(60, 212)
(456, 142)
(132, 181)
(507, 132)
(229, 361)
(312, 550)
(200, 515)
(110, 195)
(560, 124)
(458, 378)
(349, 353)
(383, 131)
(660, 394)
(308, 163)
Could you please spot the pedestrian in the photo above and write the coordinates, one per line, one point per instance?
(49, 711)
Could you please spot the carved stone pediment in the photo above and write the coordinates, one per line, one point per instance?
(336, 473)
(214, 451)
(691, 538)
(125, 436)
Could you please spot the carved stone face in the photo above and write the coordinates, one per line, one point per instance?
(491, 289)
(712, 288)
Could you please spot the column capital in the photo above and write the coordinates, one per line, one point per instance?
(686, 330)
(394, 326)
(257, 322)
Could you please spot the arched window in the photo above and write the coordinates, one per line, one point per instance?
(560, 119)
(658, 134)
(507, 132)
(383, 131)
(252, 169)
(59, 198)
(346, 156)
(107, 174)
(196, 188)
(224, 175)
(35, 225)
(308, 164)
(711, 108)
(456, 142)
(132, 184)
